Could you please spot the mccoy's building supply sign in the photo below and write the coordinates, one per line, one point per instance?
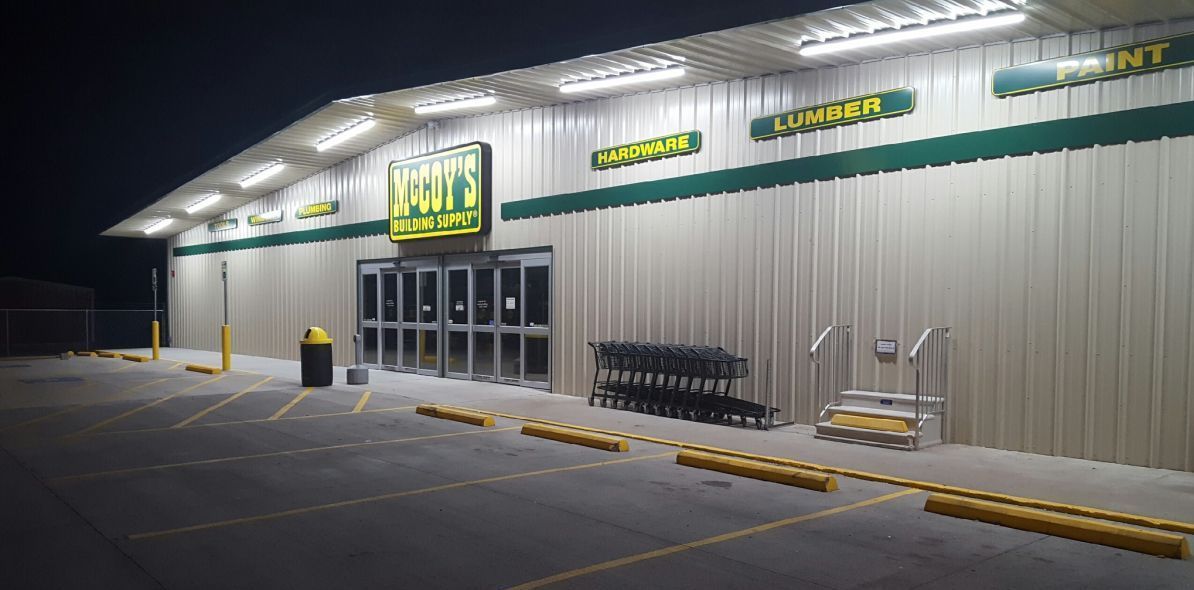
(688, 142)
(1125, 60)
(444, 193)
(222, 225)
(841, 112)
(317, 209)
(267, 217)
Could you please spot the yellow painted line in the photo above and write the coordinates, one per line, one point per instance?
(137, 409)
(222, 403)
(175, 366)
(781, 474)
(474, 418)
(674, 549)
(255, 420)
(382, 497)
(361, 404)
(73, 478)
(1075, 509)
(119, 369)
(294, 402)
(64, 411)
(869, 422)
(576, 437)
(1057, 525)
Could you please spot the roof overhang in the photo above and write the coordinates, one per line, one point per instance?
(743, 52)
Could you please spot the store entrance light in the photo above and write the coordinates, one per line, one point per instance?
(262, 174)
(203, 203)
(468, 103)
(913, 33)
(345, 134)
(622, 80)
(157, 225)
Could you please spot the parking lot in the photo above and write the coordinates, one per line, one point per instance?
(131, 475)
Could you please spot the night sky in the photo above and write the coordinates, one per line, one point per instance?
(109, 106)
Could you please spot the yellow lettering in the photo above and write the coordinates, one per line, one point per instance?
(424, 189)
(683, 142)
(437, 186)
(1155, 49)
(852, 108)
(1066, 68)
(623, 153)
(779, 123)
(1090, 65)
(399, 191)
(451, 170)
(814, 116)
(671, 144)
(833, 112)
(1131, 59)
(870, 105)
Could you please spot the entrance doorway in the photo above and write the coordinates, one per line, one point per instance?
(484, 317)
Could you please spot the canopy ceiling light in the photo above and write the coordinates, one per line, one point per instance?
(203, 203)
(623, 79)
(912, 33)
(345, 134)
(468, 103)
(262, 174)
(157, 225)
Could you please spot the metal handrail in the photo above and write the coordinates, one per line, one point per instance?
(839, 350)
(930, 361)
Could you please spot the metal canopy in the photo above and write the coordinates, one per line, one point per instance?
(743, 52)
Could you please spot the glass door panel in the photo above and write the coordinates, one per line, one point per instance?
(483, 355)
(511, 297)
(483, 302)
(511, 356)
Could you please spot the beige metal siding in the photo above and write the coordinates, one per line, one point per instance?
(1066, 276)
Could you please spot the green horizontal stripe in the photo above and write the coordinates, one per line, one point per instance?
(323, 234)
(1142, 124)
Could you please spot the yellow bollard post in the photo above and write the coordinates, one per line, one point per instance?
(226, 346)
(156, 351)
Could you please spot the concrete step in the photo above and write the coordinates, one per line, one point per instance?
(880, 438)
(908, 417)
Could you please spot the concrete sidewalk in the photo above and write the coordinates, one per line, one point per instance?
(1140, 490)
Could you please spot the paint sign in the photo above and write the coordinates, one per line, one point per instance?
(444, 193)
(831, 114)
(1124, 60)
(655, 148)
(268, 217)
(222, 225)
(317, 209)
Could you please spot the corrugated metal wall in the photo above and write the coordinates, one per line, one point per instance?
(1066, 276)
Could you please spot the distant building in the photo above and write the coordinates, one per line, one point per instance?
(19, 293)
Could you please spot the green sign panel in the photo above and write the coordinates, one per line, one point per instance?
(688, 142)
(317, 209)
(1125, 60)
(222, 225)
(268, 217)
(444, 193)
(830, 114)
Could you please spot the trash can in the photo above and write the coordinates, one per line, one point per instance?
(315, 355)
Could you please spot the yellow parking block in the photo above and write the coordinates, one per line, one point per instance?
(85, 353)
(204, 369)
(756, 470)
(136, 358)
(458, 415)
(1069, 527)
(107, 355)
(869, 422)
(576, 437)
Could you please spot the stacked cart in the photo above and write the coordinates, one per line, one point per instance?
(676, 380)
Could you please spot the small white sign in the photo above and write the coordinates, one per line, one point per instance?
(510, 303)
(885, 346)
(459, 306)
(426, 308)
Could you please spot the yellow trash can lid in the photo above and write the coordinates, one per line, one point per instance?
(315, 335)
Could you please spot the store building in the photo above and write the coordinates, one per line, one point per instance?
(1029, 186)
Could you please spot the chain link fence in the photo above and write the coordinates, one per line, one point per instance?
(27, 332)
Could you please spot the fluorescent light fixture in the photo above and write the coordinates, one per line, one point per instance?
(468, 103)
(635, 78)
(157, 225)
(912, 33)
(203, 203)
(356, 129)
(262, 174)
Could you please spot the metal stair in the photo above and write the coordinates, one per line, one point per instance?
(922, 432)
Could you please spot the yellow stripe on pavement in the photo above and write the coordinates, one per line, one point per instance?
(64, 411)
(231, 422)
(391, 496)
(294, 402)
(224, 402)
(361, 404)
(672, 550)
(71, 478)
(137, 409)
